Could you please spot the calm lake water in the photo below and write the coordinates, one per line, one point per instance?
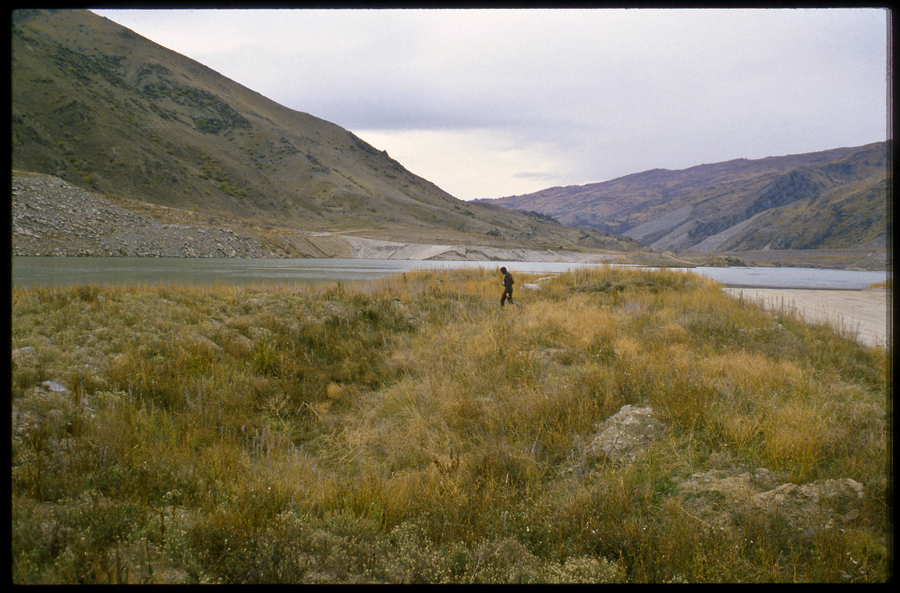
(67, 271)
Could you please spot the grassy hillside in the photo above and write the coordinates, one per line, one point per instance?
(835, 199)
(411, 430)
(100, 107)
(851, 216)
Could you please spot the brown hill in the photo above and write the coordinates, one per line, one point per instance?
(835, 199)
(105, 109)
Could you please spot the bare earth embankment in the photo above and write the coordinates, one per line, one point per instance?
(862, 313)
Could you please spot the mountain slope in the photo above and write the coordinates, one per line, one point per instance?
(825, 200)
(102, 108)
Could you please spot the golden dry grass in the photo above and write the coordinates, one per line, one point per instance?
(411, 430)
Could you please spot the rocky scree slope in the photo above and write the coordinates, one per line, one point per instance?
(109, 111)
(53, 218)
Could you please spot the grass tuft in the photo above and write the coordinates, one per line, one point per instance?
(410, 430)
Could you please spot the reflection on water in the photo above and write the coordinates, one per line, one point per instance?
(63, 271)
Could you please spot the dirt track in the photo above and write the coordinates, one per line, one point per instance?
(863, 313)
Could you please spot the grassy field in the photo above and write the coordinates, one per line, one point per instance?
(412, 430)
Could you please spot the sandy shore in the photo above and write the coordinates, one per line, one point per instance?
(863, 313)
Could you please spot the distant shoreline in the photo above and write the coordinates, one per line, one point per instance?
(860, 312)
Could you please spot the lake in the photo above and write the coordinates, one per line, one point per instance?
(67, 271)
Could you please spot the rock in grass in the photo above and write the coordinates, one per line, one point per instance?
(54, 387)
(627, 435)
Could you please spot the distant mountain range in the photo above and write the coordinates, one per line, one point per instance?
(835, 199)
(102, 108)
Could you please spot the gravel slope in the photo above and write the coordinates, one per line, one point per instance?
(53, 218)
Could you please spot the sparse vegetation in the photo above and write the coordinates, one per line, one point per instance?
(828, 201)
(76, 75)
(411, 430)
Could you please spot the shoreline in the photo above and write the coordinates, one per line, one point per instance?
(863, 314)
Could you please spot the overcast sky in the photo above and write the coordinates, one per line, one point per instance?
(493, 103)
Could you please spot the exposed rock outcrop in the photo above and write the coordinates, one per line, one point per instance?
(53, 218)
(626, 436)
(722, 499)
(723, 496)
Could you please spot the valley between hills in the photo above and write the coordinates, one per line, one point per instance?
(53, 218)
(631, 425)
(121, 147)
(113, 114)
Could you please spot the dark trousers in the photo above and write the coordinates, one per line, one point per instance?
(507, 296)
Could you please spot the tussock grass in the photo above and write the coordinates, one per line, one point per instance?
(411, 430)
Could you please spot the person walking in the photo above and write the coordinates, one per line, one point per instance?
(507, 287)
